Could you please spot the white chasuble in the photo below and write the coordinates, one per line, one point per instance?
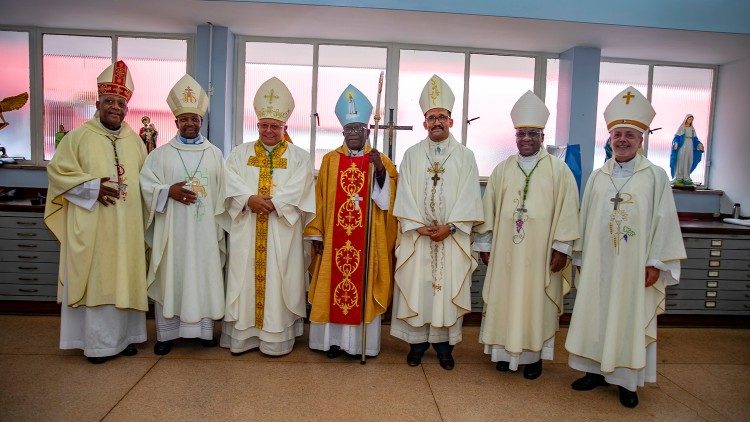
(187, 245)
(523, 298)
(265, 298)
(433, 279)
(627, 223)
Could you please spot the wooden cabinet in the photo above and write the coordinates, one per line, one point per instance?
(29, 256)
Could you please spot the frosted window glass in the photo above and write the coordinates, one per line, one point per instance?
(14, 74)
(550, 100)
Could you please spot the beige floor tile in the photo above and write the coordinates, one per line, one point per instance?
(57, 388)
(479, 392)
(726, 388)
(704, 345)
(681, 395)
(181, 389)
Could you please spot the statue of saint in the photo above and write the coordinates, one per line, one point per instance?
(687, 152)
(61, 132)
(148, 133)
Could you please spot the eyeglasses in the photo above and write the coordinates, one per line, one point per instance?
(352, 131)
(442, 118)
(533, 134)
(273, 127)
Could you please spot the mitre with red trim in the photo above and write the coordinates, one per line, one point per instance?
(115, 80)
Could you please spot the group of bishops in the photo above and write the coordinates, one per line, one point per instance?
(251, 240)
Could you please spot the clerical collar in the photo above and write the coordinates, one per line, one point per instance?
(270, 148)
(439, 147)
(624, 169)
(528, 162)
(356, 153)
(114, 132)
(195, 141)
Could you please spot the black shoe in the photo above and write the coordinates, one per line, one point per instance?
(209, 342)
(97, 360)
(129, 351)
(628, 398)
(446, 361)
(414, 357)
(532, 371)
(589, 382)
(503, 366)
(161, 348)
(334, 352)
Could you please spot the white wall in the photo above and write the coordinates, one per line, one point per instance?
(730, 156)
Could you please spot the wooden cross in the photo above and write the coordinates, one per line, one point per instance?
(435, 169)
(628, 96)
(616, 200)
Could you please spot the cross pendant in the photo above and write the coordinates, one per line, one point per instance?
(435, 169)
(521, 209)
(616, 200)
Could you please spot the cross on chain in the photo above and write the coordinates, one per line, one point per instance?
(522, 209)
(435, 169)
(616, 200)
(629, 96)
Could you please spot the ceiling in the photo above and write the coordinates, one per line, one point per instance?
(347, 23)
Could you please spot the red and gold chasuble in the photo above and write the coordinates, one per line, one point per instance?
(266, 161)
(348, 240)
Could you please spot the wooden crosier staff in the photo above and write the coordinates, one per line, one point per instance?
(368, 225)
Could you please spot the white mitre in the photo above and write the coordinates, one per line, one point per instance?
(629, 109)
(529, 111)
(187, 96)
(273, 101)
(436, 94)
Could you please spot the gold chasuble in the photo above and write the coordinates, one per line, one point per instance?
(102, 251)
(266, 162)
(342, 201)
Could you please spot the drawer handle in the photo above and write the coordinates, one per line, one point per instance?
(27, 234)
(28, 256)
(671, 305)
(671, 294)
(28, 268)
(28, 290)
(26, 223)
(28, 279)
(24, 245)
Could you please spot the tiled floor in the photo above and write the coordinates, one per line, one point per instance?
(704, 374)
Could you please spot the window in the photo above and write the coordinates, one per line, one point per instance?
(495, 84)
(71, 66)
(340, 66)
(416, 67)
(14, 74)
(613, 78)
(155, 66)
(678, 91)
(550, 100)
(292, 63)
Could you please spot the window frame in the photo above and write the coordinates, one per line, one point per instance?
(393, 56)
(36, 72)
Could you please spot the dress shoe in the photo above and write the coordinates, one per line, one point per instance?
(503, 366)
(414, 357)
(209, 342)
(446, 361)
(334, 352)
(129, 351)
(589, 382)
(161, 348)
(532, 371)
(628, 398)
(97, 360)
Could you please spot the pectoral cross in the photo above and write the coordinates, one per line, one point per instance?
(521, 209)
(356, 199)
(435, 169)
(616, 200)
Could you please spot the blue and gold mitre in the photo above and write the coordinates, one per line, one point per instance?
(353, 107)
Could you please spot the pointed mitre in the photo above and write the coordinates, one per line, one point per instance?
(436, 94)
(273, 101)
(529, 111)
(115, 80)
(187, 96)
(630, 109)
(353, 107)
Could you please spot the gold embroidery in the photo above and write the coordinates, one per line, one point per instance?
(187, 95)
(434, 91)
(265, 182)
(349, 216)
(345, 295)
